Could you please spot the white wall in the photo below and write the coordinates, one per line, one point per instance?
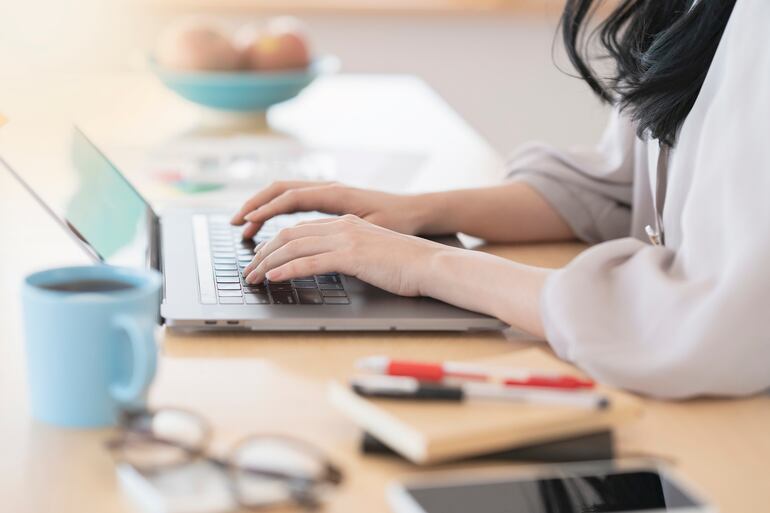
(497, 72)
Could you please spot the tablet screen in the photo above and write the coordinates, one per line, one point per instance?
(617, 491)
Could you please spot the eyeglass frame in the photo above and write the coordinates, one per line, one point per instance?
(303, 495)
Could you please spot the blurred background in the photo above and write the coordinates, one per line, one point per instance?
(498, 63)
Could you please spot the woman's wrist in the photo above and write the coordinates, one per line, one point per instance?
(430, 213)
(435, 270)
(487, 284)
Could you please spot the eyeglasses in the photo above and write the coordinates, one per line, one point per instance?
(262, 471)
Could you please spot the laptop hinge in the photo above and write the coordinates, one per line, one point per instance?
(153, 252)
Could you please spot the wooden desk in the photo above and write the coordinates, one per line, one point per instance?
(274, 382)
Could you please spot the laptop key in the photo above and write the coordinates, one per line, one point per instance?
(256, 299)
(226, 267)
(230, 300)
(333, 293)
(304, 285)
(229, 286)
(225, 261)
(279, 285)
(228, 279)
(328, 279)
(330, 286)
(336, 301)
(255, 289)
(227, 273)
(283, 297)
(230, 293)
(309, 297)
(224, 255)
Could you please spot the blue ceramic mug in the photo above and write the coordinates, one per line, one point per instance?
(90, 342)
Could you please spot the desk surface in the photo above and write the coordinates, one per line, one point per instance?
(722, 446)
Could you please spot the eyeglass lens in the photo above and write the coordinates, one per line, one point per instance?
(162, 439)
(304, 469)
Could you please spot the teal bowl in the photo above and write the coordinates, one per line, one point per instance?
(242, 91)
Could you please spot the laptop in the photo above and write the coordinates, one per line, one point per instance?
(201, 257)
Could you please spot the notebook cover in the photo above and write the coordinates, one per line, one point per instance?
(428, 432)
(590, 447)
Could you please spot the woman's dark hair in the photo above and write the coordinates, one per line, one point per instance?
(661, 51)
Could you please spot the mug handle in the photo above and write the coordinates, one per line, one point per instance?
(144, 352)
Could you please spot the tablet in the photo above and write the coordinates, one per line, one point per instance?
(562, 489)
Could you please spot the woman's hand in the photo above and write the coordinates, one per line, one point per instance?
(374, 246)
(405, 265)
(395, 212)
(350, 245)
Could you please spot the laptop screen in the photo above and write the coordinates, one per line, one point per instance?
(85, 191)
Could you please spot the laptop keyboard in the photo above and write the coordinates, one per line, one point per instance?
(230, 254)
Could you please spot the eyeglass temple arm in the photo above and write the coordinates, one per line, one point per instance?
(226, 465)
(332, 474)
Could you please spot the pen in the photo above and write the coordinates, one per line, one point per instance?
(402, 387)
(426, 371)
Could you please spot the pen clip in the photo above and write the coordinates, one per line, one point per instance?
(653, 235)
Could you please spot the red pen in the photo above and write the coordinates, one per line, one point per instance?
(449, 371)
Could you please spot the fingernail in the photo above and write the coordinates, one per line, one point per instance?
(252, 277)
(274, 275)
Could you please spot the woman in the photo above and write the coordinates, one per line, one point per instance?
(673, 299)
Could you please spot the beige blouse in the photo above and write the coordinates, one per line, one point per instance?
(691, 317)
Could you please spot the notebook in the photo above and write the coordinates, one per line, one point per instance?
(590, 447)
(430, 432)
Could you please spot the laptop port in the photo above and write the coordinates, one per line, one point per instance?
(232, 323)
(210, 323)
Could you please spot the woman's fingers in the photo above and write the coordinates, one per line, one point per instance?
(349, 245)
(320, 220)
(252, 229)
(259, 199)
(292, 250)
(269, 193)
(327, 199)
(308, 266)
(287, 235)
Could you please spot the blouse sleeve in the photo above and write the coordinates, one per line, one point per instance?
(693, 319)
(591, 190)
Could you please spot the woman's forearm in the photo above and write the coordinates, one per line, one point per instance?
(488, 284)
(512, 212)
